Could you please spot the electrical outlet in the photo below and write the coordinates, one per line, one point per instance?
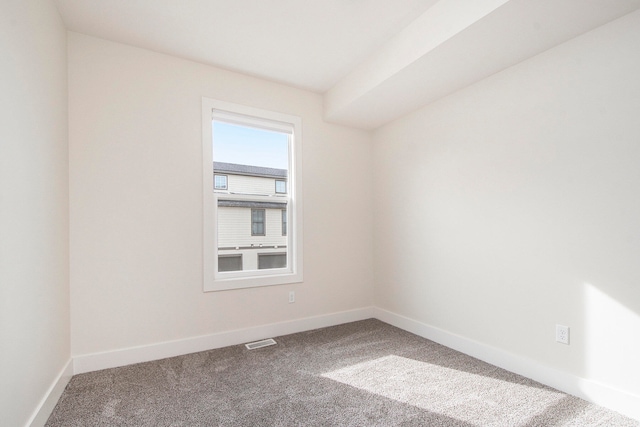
(292, 296)
(562, 334)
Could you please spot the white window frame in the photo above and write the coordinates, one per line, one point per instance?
(263, 119)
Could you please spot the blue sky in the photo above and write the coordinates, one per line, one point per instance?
(249, 146)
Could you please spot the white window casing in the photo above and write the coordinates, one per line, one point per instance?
(267, 120)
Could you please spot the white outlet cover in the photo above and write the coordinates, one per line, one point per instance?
(562, 334)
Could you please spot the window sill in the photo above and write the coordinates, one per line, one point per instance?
(229, 283)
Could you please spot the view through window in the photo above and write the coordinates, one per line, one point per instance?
(252, 197)
(251, 170)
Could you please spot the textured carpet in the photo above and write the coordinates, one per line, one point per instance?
(359, 374)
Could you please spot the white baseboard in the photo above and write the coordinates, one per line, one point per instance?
(127, 356)
(592, 391)
(51, 397)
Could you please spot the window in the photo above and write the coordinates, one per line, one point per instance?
(230, 262)
(251, 235)
(281, 186)
(257, 222)
(284, 222)
(220, 182)
(266, 261)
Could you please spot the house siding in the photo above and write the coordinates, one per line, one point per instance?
(234, 222)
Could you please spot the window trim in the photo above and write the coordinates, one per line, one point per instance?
(269, 120)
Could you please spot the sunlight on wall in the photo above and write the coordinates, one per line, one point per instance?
(470, 397)
(611, 341)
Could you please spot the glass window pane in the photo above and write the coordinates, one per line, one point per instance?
(266, 261)
(257, 222)
(252, 165)
(229, 262)
(284, 222)
(220, 182)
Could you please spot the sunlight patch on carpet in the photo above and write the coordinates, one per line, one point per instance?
(472, 398)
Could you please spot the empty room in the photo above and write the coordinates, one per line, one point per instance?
(339, 212)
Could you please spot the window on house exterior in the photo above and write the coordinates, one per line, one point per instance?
(230, 262)
(257, 222)
(284, 222)
(266, 261)
(251, 148)
(220, 182)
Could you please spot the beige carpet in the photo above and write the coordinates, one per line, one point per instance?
(359, 374)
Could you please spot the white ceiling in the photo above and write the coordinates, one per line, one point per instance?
(374, 60)
(305, 43)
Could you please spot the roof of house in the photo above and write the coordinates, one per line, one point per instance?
(248, 204)
(234, 168)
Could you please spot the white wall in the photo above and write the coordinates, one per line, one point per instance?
(34, 233)
(513, 205)
(136, 208)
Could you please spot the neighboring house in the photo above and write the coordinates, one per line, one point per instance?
(252, 235)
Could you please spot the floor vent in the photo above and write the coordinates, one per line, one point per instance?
(260, 344)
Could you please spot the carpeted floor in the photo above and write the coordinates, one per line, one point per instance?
(359, 374)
